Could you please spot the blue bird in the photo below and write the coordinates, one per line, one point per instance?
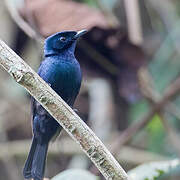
(62, 72)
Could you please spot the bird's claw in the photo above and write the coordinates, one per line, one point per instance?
(75, 110)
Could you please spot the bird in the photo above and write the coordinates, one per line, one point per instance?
(62, 72)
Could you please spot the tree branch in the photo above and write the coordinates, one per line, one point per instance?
(68, 147)
(67, 118)
(20, 21)
(126, 135)
(134, 21)
(153, 97)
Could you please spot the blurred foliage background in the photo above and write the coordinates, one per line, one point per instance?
(131, 65)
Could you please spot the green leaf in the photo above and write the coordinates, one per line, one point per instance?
(153, 170)
(78, 174)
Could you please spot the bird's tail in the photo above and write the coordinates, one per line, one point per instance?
(28, 164)
(35, 163)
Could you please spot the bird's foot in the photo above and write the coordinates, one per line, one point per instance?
(75, 110)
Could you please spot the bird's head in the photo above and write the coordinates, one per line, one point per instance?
(61, 41)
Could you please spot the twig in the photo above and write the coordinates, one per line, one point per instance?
(167, 12)
(133, 21)
(20, 21)
(173, 109)
(170, 92)
(99, 58)
(172, 135)
(31, 21)
(68, 147)
(101, 112)
(67, 118)
(148, 90)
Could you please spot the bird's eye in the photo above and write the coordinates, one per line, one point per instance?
(62, 39)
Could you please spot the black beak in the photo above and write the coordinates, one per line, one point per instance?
(80, 33)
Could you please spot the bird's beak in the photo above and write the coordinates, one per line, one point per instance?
(80, 33)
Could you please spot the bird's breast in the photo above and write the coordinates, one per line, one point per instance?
(64, 77)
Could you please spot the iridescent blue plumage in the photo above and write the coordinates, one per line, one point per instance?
(62, 72)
